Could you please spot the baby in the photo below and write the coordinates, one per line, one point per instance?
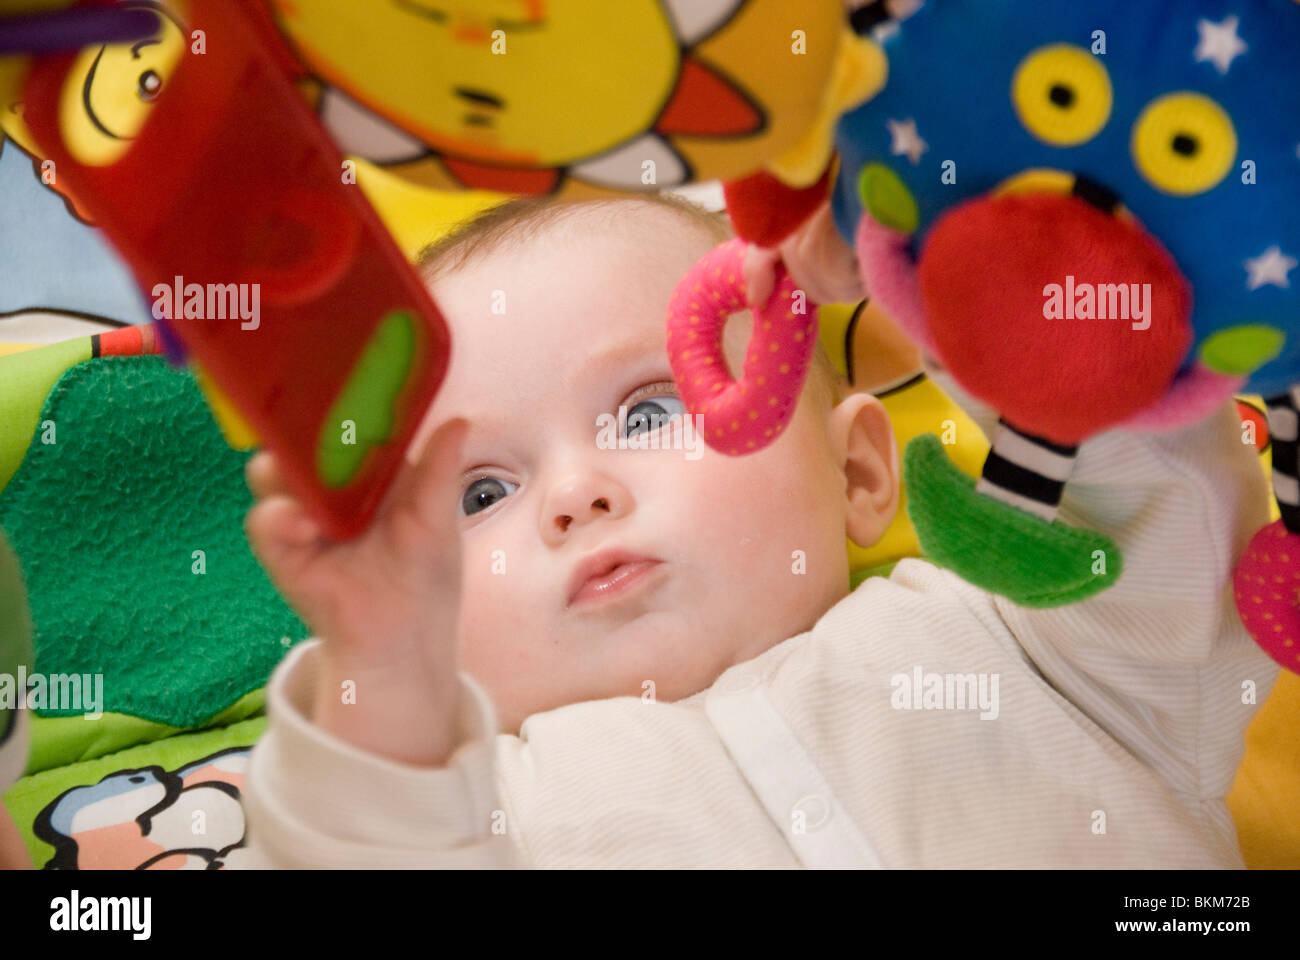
(553, 650)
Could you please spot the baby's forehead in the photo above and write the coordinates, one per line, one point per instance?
(557, 308)
(652, 232)
(589, 268)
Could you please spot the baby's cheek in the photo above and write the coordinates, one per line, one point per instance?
(785, 525)
(780, 492)
(496, 614)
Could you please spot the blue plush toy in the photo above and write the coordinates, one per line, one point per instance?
(1089, 213)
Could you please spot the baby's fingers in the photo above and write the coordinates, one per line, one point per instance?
(822, 263)
(282, 535)
(760, 274)
(262, 474)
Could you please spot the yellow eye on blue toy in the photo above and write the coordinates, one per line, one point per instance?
(1184, 144)
(1062, 94)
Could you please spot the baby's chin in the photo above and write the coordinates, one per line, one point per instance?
(665, 654)
(655, 651)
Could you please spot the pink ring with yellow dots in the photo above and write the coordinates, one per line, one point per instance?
(1266, 586)
(744, 416)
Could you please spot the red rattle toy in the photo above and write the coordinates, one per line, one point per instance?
(231, 186)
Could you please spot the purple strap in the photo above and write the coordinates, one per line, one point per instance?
(74, 29)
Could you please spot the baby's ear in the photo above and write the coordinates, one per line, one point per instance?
(865, 448)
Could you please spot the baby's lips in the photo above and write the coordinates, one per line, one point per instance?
(601, 563)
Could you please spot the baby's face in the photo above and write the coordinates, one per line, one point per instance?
(701, 560)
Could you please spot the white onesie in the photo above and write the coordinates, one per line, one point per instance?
(1118, 730)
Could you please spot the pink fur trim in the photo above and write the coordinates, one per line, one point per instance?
(889, 274)
(1193, 396)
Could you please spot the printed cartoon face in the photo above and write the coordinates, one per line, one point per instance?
(144, 818)
(110, 91)
(107, 100)
(517, 81)
(699, 87)
(1181, 116)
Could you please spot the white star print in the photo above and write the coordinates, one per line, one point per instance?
(1219, 43)
(907, 142)
(1272, 266)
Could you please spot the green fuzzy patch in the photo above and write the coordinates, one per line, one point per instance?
(106, 522)
(1239, 351)
(995, 546)
(887, 199)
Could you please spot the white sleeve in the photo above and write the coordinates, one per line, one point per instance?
(1160, 659)
(313, 800)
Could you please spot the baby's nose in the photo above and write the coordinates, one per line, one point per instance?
(578, 500)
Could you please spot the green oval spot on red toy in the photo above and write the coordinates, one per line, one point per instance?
(363, 416)
(1239, 351)
(887, 199)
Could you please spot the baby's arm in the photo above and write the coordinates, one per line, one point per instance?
(380, 701)
(1160, 659)
(600, 783)
(315, 800)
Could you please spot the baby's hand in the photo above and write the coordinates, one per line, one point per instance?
(822, 264)
(386, 604)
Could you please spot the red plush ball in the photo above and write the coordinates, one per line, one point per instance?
(1023, 296)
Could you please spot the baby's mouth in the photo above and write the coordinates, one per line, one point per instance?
(608, 575)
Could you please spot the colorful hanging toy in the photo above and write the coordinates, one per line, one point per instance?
(1090, 215)
(218, 172)
(571, 96)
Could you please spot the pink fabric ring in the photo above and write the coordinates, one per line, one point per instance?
(739, 417)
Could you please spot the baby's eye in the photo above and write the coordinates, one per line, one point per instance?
(651, 414)
(484, 492)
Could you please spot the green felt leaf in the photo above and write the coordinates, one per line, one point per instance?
(994, 545)
(106, 522)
